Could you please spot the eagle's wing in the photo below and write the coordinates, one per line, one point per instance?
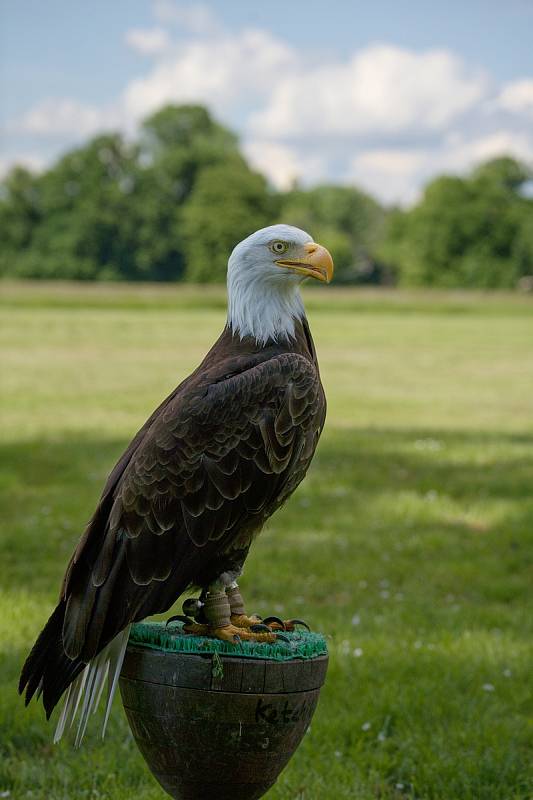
(214, 461)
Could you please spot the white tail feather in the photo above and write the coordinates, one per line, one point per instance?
(116, 657)
(88, 687)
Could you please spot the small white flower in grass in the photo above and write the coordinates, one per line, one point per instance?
(507, 673)
(399, 786)
(381, 736)
(299, 600)
(385, 594)
(338, 754)
(356, 619)
(341, 543)
(384, 583)
(358, 652)
(5, 793)
(366, 726)
(339, 491)
(488, 687)
(417, 645)
(428, 444)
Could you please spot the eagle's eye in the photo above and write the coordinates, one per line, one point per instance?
(279, 247)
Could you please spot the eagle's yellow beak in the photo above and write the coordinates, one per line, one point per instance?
(317, 263)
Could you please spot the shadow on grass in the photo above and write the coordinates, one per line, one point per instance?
(412, 707)
(50, 488)
(458, 463)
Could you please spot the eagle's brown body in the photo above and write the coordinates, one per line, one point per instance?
(183, 503)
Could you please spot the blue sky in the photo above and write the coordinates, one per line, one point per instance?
(382, 94)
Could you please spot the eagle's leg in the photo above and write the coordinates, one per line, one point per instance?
(217, 614)
(239, 616)
(242, 620)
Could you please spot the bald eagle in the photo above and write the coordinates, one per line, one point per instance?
(184, 502)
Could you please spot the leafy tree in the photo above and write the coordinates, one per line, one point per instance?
(228, 202)
(81, 226)
(348, 219)
(176, 144)
(112, 209)
(185, 127)
(466, 232)
(171, 205)
(505, 172)
(20, 213)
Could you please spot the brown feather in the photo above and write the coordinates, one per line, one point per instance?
(210, 465)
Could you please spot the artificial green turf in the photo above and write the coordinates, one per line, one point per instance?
(171, 638)
(409, 544)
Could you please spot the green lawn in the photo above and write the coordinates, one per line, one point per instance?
(410, 543)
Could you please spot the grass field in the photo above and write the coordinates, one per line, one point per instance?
(410, 543)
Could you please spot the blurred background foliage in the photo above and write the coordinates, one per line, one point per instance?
(171, 205)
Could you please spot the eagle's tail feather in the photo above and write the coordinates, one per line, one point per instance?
(50, 672)
(47, 670)
(87, 689)
(117, 653)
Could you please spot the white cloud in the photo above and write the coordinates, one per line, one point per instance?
(382, 88)
(517, 97)
(148, 41)
(392, 173)
(222, 71)
(386, 117)
(31, 161)
(196, 18)
(282, 164)
(460, 153)
(397, 175)
(59, 117)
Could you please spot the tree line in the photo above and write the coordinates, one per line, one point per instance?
(170, 206)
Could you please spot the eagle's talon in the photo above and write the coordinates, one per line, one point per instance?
(231, 633)
(294, 622)
(280, 637)
(260, 627)
(276, 621)
(179, 618)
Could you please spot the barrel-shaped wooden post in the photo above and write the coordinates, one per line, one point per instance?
(218, 725)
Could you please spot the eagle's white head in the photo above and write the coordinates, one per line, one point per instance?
(265, 271)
